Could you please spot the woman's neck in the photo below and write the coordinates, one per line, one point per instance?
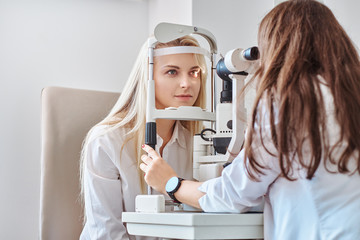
(165, 128)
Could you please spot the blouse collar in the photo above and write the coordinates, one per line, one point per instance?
(177, 136)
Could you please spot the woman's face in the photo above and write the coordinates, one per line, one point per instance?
(177, 80)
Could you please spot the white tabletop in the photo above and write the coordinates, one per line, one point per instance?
(190, 225)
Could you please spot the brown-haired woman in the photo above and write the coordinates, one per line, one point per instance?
(302, 144)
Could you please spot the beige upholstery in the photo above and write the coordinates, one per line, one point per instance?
(67, 115)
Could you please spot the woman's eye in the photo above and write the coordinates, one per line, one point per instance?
(195, 73)
(171, 72)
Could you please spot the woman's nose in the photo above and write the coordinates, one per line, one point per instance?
(185, 82)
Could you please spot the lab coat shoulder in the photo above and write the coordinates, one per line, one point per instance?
(263, 148)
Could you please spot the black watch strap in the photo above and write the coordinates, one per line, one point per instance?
(172, 193)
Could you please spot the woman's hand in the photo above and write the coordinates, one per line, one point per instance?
(157, 171)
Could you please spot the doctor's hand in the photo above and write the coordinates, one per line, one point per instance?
(157, 170)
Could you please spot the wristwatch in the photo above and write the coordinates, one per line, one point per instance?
(171, 187)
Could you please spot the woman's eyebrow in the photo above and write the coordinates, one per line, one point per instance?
(177, 67)
(195, 67)
(171, 66)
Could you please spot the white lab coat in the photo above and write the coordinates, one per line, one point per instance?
(111, 183)
(325, 207)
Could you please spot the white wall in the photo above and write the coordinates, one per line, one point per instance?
(88, 44)
(347, 13)
(234, 24)
(91, 44)
(163, 11)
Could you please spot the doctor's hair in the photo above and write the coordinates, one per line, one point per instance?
(303, 48)
(130, 109)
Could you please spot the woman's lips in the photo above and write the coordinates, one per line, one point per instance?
(183, 96)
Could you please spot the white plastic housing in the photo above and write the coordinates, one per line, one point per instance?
(201, 148)
(150, 203)
(223, 115)
(235, 62)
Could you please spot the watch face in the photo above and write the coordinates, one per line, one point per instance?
(171, 184)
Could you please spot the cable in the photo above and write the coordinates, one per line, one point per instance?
(202, 134)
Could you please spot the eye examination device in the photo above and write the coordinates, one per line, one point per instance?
(214, 147)
(228, 136)
(165, 32)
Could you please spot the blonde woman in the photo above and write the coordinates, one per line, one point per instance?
(110, 176)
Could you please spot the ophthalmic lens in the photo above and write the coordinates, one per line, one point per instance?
(251, 53)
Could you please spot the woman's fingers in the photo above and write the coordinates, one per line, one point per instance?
(144, 167)
(152, 153)
(157, 171)
(146, 159)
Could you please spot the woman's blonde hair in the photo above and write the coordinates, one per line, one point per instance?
(299, 40)
(130, 109)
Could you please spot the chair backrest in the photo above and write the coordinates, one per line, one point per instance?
(67, 115)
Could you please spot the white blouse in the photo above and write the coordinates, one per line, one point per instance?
(325, 207)
(112, 180)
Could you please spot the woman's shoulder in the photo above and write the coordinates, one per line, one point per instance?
(107, 142)
(109, 135)
(102, 150)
